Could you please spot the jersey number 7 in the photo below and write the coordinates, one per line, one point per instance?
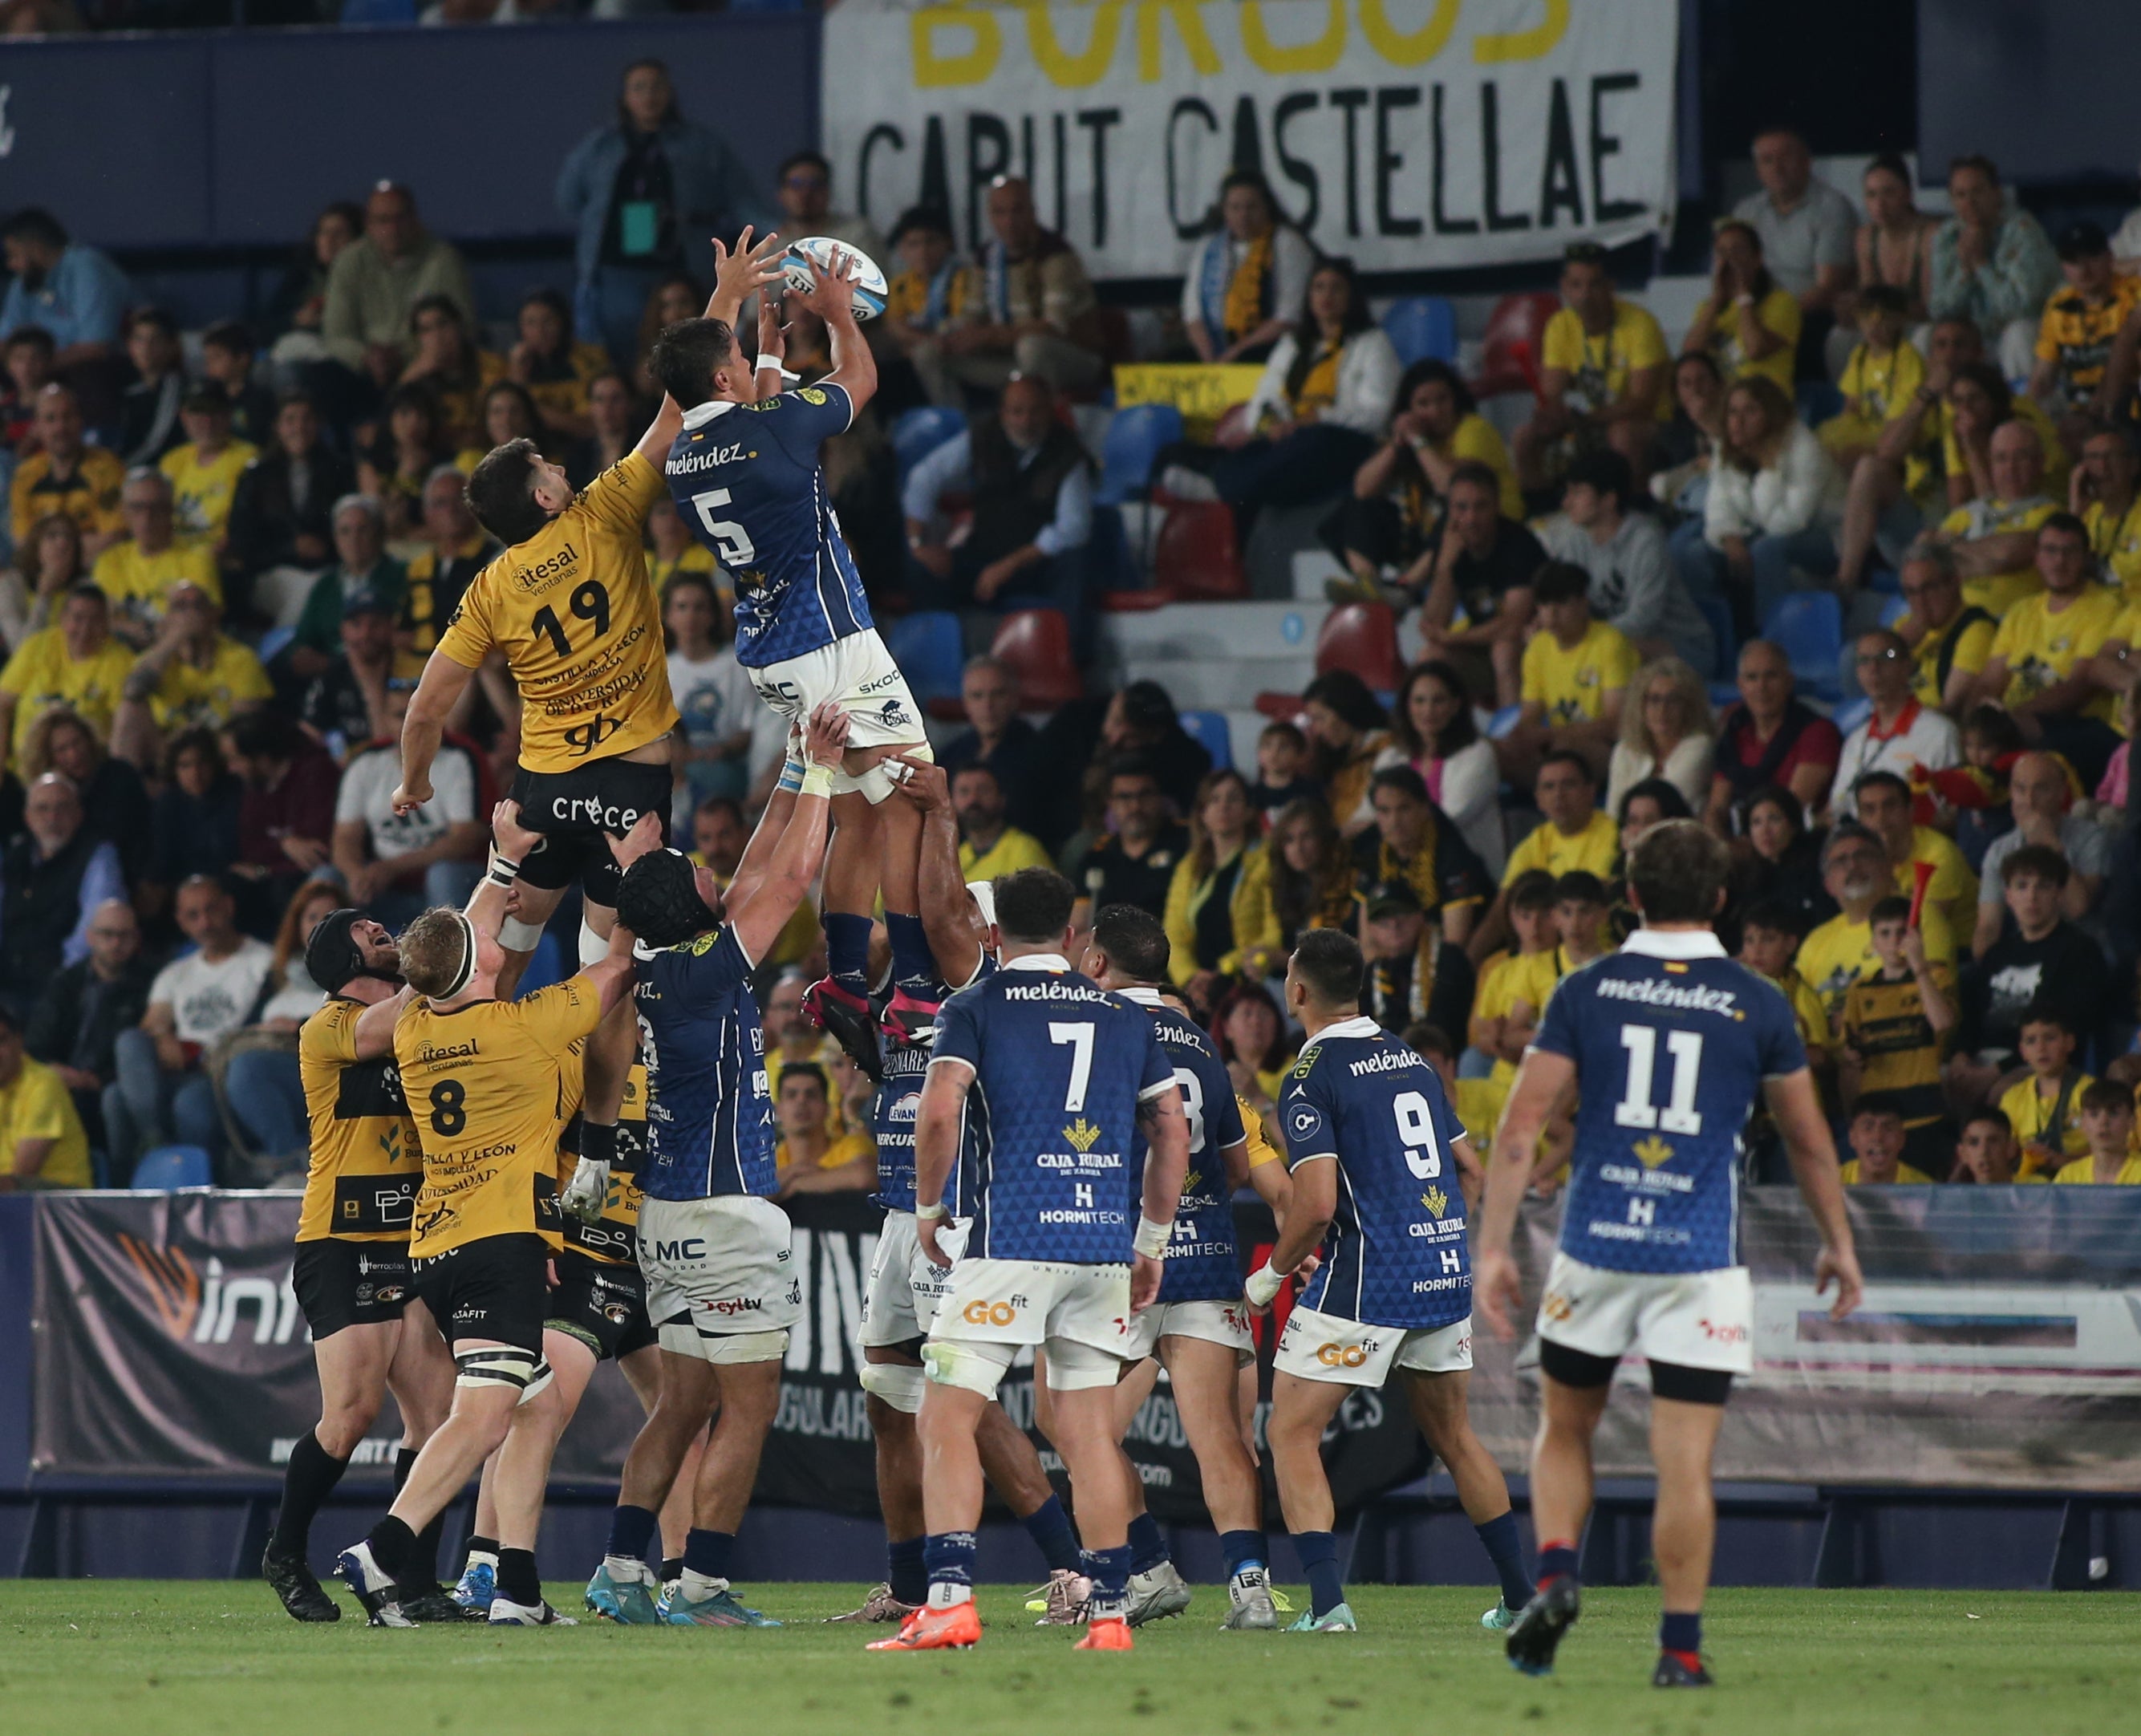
(733, 540)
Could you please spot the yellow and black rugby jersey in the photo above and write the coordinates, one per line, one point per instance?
(611, 1238)
(485, 1085)
(574, 614)
(366, 1164)
(1884, 1020)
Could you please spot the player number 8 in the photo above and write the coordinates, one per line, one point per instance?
(1416, 1132)
(732, 538)
(448, 1117)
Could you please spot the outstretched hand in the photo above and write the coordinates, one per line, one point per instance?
(829, 297)
(825, 742)
(751, 266)
(642, 839)
(924, 784)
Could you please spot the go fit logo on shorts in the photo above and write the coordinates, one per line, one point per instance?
(1342, 1356)
(991, 1313)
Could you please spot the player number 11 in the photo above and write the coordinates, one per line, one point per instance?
(1635, 1107)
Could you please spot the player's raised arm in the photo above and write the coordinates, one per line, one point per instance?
(957, 935)
(854, 368)
(736, 275)
(793, 868)
(512, 844)
(373, 1034)
(1542, 1079)
(440, 689)
(1797, 1108)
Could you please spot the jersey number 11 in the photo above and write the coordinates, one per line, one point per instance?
(1635, 1107)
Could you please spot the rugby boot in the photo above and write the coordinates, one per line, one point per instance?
(724, 1609)
(430, 1603)
(506, 1613)
(1156, 1594)
(293, 1582)
(1679, 1670)
(958, 1628)
(1498, 1620)
(1538, 1629)
(1249, 1600)
(372, 1586)
(1113, 1635)
(1062, 1602)
(847, 1017)
(629, 1602)
(908, 1021)
(1338, 1620)
(477, 1586)
(880, 1605)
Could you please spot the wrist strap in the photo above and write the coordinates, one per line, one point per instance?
(503, 871)
(818, 781)
(931, 1214)
(1152, 1238)
(599, 1141)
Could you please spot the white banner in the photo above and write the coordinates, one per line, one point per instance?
(1411, 135)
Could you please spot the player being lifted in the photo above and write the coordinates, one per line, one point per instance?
(1378, 1159)
(905, 1286)
(482, 1075)
(746, 479)
(369, 1335)
(1058, 1076)
(1666, 1043)
(1199, 1327)
(713, 1246)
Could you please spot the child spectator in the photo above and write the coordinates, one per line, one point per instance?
(2107, 1121)
(1987, 1153)
(2076, 331)
(2044, 1107)
(1769, 938)
(1513, 986)
(1580, 905)
(715, 702)
(1884, 371)
(1978, 788)
(2040, 955)
(26, 368)
(1896, 1019)
(1282, 770)
(204, 471)
(149, 408)
(226, 365)
(1877, 1150)
(1575, 676)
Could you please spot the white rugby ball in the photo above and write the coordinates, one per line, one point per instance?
(866, 282)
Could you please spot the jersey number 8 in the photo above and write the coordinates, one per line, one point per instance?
(1416, 1133)
(448, 1117)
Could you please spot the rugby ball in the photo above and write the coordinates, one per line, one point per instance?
(865, 280)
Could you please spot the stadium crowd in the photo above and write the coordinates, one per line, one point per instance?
(230, 551)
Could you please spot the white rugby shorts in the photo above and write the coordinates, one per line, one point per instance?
(859, 674)
(899, 1303)
(1357, 1353)
(1697, 1319)
(722, 1283)
(991, 1308)
(1219, 1323)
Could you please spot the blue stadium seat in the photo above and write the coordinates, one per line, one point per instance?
(1210, 728)
(273, 640)
(920, 431)
(170, 1168)
(1818, 401)
(1851, 713)
(1135, 437)
(930, 653)
(1424, 326)
(1893, 610)
(1808, 627)
(1718, 613)
(1501, 722)
(378, 11)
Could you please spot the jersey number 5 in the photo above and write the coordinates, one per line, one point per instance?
(732, 539)
(1634, 1109)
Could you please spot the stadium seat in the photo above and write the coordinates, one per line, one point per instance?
(1363, 637)
(1036, 644)
(1851, 713)
(1718, 613)
(1515, 330)
(1818, 401)
(170, 1168)
(272, 641)
(1422, 327)
(378, 11)
(1503, 722)
(1210, 728)
(930, 652)
(1135, 437)
(1808, 627)
(1892, 610)
(1198, 556)
(920, 431)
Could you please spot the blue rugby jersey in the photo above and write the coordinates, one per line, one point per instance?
(1395, 1253)
(1672, 1042)
(1060, 1067)
(746, 479)
(709, 1111)
(1201, 1265)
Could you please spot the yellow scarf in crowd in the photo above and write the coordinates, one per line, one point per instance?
(1319, 386)
(1245, 291)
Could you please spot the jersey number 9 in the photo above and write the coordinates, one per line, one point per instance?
(1416, 1133)
(589, 602)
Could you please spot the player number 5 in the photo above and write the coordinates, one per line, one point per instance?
(732, 538)
(1416, 1133)
(1635, 1107)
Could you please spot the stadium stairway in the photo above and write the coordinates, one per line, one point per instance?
(1216, 657)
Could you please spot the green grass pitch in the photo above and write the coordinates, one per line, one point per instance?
(172, 1658)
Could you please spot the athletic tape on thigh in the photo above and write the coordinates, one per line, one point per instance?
(898, 1384)
(740, 1347)
(594, 947)
(499, 1366)
(1073, 1367)
(537, 1387)
(516, 935)
(970, 1367)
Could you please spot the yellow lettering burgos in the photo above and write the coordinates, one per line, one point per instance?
(1074, 71)
(1202, 56)
(1403, 49)
(1524, 45)
(1319, 56)
(977, 63)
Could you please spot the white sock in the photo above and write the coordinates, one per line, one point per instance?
(482, 1558)
(628, 1567)
(946, 1596)
(698, 1587)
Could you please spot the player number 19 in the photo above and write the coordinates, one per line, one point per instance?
(1635, 1107)
(733, 540)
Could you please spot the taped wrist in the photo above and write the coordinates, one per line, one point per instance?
(1152, 1238)
(818, 781)
(503, 870)
(1262, 1284)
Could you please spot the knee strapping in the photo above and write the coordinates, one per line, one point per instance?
(524, 1371)
(1073, 1367)
(900, 1384)
(970, 1367)
(516, 935)
(594, 947)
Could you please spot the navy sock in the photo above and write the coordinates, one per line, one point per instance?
(1680, 1633)
(1109, 1571)
(517, 1580)
(672, 1569)
(1050, 1526)
(847, 950)
(1242, 1549)
(905, 1571)
(914, 965)
(1148, 1547)
(949, 1558)
(1507, 1551)
(1557, 1561)
(1318, 1550)
(707, 1552)
(632, 1532)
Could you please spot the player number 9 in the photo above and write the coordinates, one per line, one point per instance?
(1416, 1132)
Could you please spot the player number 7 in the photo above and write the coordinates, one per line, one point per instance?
(1080, 1037)
(732, 538)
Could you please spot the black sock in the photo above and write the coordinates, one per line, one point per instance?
(310, 1479)
(392, 1546)
(672, 1568)
(481, 1545)
(422, 1572)
(405, 1459)
(517, 1582)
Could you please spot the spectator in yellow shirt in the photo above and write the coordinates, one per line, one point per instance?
(2107, 1123)
(2103, 491)
(555, 370)
(1884, 805)
(2042, 664)
(1748, 322)
(988, 846)
(1513, 986)
(1576, 836)
(1994, 536)
(2045, 1106)
(1950, 641)
(1575, 676)
(139, 576)
(1602, 369)
(1885, 370)
(76, 664)
(204, 471)
(1218, 917)
(41, 1141)
(935, 291)
(1856, 872)
(66, 475)
(2076, 331)
(192, 676)
(808, 1159)
(1877, 1150)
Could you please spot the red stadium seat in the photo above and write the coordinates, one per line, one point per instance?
(1036, 644)
(1363, 637)
(1198, 556)
(1516, 331)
